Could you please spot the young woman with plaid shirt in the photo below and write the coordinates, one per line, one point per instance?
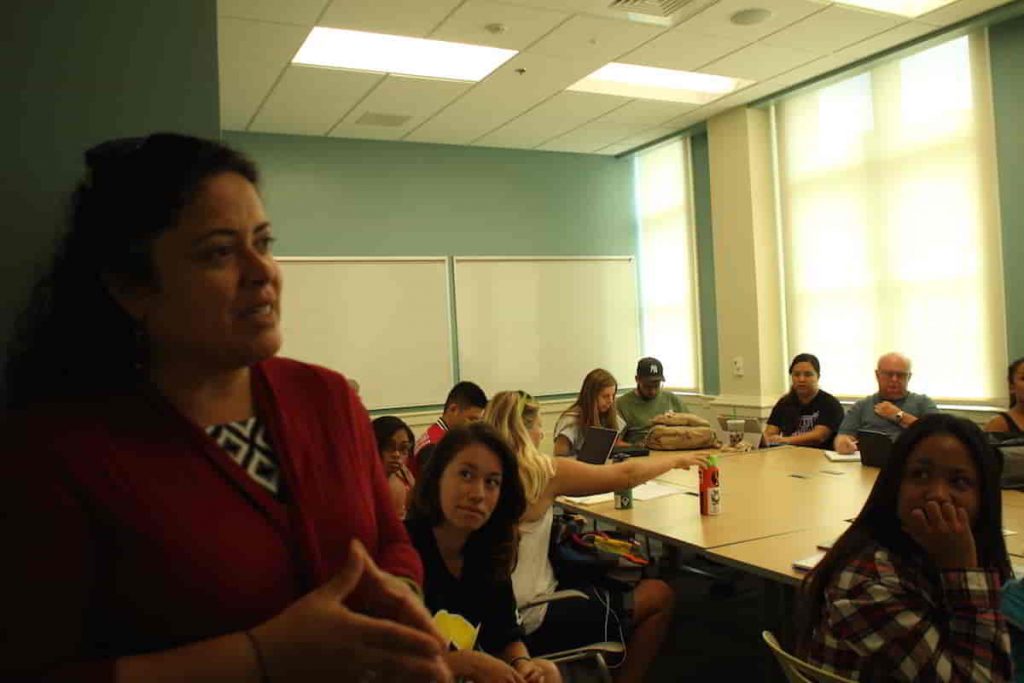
(911, 591)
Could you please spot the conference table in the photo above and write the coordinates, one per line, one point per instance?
(778, 505)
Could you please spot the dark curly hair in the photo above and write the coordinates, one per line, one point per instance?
(134, 189)
(496, 543)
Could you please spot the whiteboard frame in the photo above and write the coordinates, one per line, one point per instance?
(445, 261)
(623, 258)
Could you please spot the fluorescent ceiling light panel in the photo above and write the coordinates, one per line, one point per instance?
(361, 51)
(905, 8)
(651, 83)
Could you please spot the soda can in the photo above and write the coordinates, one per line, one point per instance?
(624, 499)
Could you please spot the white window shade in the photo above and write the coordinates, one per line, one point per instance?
(668, 289)
(890, 224)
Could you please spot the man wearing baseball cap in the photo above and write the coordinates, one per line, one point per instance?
(647, 401)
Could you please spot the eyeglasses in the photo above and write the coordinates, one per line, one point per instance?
(893, 374)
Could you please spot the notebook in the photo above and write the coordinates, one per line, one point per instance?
(842, 457)
(808, 563)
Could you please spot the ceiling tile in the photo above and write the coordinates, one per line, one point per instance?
(682, 49)
(502, 96)
(398, 17)
(251, 56)
(522, 25)
(644, 137)
(464, 121)
(715, 19)
(686, 120)
(310, 100)
(832, 29)
(571, 6)
(612, 150)
(300, 12)
(957, 11)
(590, 137)
(759, 62)
(558, 115)
(647, 113)
(399, 96)
(586, 37)
(883, 41)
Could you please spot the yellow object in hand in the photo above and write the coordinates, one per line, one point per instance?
(456, 629)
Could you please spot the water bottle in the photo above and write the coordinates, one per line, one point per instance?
(710, 488)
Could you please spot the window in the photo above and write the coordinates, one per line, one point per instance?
(667, 267)
(890, 226)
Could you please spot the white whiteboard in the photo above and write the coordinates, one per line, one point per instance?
(541, 324)
(382, 322)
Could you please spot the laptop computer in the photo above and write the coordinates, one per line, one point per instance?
(597, 445)
(874, 448)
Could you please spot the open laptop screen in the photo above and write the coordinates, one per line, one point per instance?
(597, 445)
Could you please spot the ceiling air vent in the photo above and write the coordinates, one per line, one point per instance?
(661, 12)
(655, 8)
(373, 118)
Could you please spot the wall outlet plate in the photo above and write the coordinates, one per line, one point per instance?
(737, 366)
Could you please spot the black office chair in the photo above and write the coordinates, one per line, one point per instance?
(580, 664)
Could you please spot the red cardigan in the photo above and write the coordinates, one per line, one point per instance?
(128, 530)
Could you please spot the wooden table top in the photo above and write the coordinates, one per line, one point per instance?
(773, 557)
(777, 504)
(764, 493)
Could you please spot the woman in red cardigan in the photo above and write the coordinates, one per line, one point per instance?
(180, 504)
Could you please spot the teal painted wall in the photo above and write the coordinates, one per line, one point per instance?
(344, 197)
(701, 164)
(1006, 46)
(76, 73)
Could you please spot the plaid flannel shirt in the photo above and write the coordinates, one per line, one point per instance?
(885, 619)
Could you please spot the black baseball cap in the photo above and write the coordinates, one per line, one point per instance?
(650, 368)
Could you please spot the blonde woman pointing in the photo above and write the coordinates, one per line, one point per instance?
(572, 623)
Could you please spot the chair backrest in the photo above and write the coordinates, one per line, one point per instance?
(797, 670)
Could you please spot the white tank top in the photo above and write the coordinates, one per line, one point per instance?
(534, 575)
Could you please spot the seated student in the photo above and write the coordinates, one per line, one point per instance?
(911, 591)
(462, 520)
(465, 403)
(568, 624)
(1013, 419)
(639, 407)
(394, 444)
(594, 407)
(889, 411)
(806, 416)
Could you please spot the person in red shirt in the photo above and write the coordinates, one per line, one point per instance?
(465, 404)
(178, 503)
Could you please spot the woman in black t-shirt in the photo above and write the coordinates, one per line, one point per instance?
(806, 416)
(463, 521)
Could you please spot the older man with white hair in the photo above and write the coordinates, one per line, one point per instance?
(889, 411)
